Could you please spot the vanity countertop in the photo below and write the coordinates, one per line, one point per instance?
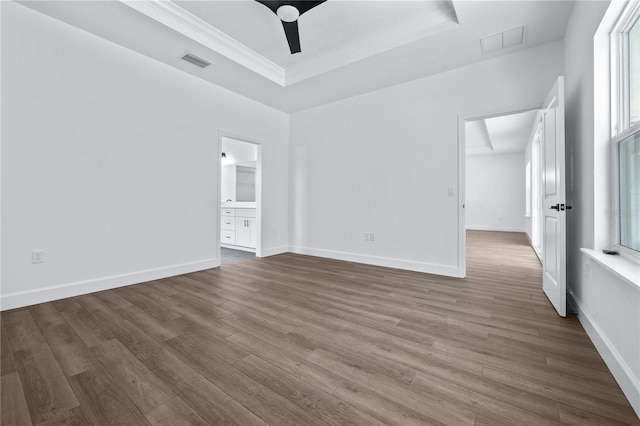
(239, 205)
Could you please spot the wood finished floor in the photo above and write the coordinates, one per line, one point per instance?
(301, 340)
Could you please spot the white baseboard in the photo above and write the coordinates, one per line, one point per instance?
(273, 251)
(629, 384)
(409, 265)
(46, 294)
(234, 247)
(494, 228)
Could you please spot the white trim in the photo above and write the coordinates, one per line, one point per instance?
(496, 228)
(462, 118)
(462, 196)
(628, 16)
(625, 269)
(388, 262)
(615, 211)
(621, 371)
(274, 251)
(241, 248)
(230, 135)
(46, 294)
(178, 19)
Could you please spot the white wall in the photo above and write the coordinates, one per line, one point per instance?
(382, 162)
(110, 163)
(495, 192)
(608, 308)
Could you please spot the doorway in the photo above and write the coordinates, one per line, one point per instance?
(496, 151)
(240, 199)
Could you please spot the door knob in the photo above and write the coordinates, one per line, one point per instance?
(556, 207)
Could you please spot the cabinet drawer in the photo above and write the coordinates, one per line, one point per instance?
(228, 237)
(246, 212)
(228, 223)
(228, 212)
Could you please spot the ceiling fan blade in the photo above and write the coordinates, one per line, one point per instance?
(291, 28)
(304, 6)
(293, 37)
(272, 5)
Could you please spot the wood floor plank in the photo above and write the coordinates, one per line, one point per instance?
(103, 401)
(156, 329)
(70, 351)
(393, 384)
(134, 378)
(328, 409)
(73, 417)
(174, 413)
(287, 361)
(213, 405)
(46, 390)
(45, 315)
(492, 404)
(13, 405)
(22, 331)
(86, 327)
(266, 404)
(7, 364)
(589, 403)
(112, 300)
(294, 339)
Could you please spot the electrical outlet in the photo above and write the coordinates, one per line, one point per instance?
(366, 236)
(37, 256)
(372, 236)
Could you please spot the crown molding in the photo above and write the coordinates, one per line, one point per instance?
(173, 16)
(178, 19)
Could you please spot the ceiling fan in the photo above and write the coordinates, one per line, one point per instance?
(288, 12)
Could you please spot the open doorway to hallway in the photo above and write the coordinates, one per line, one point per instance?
(502, 174)
(239, 200)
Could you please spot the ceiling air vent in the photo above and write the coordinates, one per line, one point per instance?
(195, 60)
(502, 40)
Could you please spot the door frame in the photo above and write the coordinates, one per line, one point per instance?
(462, 118)
(231, 135)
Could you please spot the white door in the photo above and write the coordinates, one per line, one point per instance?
(553, 196)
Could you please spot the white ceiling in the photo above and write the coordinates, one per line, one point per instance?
(348, 47)
(329, 26)
(499, 135)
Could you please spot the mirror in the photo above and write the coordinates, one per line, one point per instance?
(245, 183)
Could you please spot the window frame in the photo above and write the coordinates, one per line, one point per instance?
(620, 105)
(620, 112)
(615, 212)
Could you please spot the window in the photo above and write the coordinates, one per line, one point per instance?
(629, 191)
(626, 130)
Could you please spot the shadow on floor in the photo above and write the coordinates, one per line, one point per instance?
(231, 256)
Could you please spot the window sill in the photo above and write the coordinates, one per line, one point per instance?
(625, 269)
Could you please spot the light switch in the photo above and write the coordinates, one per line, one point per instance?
(452, 191)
